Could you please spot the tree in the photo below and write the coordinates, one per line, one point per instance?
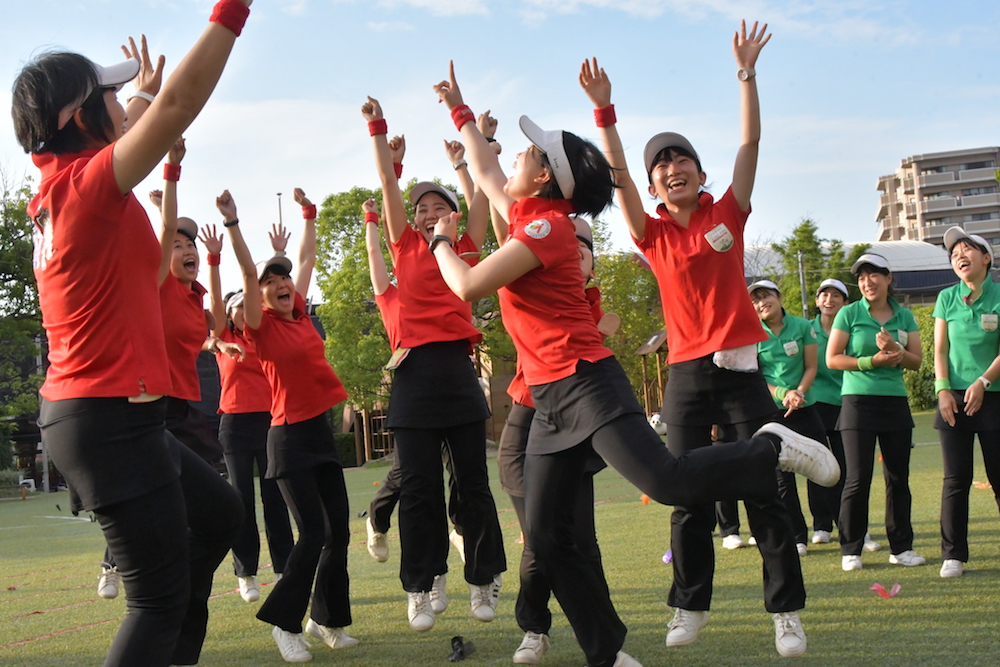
(20, 316)
(920, 383)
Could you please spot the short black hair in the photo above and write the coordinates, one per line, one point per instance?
(593, 175)
(665, 156)
(45, 87)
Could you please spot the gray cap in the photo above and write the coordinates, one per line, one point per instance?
(424, 187)
(665, 140)
(873, 259)
(188, 228)
(278, 261)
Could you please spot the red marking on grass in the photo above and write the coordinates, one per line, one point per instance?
(54, 634)
(46, 611)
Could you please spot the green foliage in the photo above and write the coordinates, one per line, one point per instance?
(920, 383)
(346, 449)
(820, 263)
(20, 317)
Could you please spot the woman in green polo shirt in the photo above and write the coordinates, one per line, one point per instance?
(966, 365)
(788, 361)
(872, 341)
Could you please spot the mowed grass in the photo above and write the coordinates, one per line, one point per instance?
(50, 613)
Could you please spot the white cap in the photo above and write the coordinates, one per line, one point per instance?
(877, 261)
(423, 187)
(277, 260)
(956, 234)
(551, 143)
(235, 301)
(657, 144)
(114, 76)
(835, 284)
(764, 284)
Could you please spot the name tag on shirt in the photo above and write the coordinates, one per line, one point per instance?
(989, 322)
(720, 238)
(791, 348)
(903, 337)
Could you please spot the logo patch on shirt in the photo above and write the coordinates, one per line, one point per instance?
(990, 321)
(791, 348)
(903, 337)
(538, 229)
(720, 238)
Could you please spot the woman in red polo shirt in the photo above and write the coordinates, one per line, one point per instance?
(101, 416)
(712, 333)
(301, 453)
(436, 397)
(582, 397)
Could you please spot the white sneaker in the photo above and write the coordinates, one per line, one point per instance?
(821, 537)
(532, 648)
(949, 568)
(733, 542)
(789, 637)
(871, 545)
(625, 660)
(249, 590)
(292, 646)
(803, 455)
(459, 543)
(108, 584)
(419, 611)
(909, 558)
(683, 628)
(278, 576)
(332, 637)
(752, 541)
(850, 563)
(378, 545)
(439, 596)
(801, 548)
(484, 599)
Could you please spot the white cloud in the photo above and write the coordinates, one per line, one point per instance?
(294, 7)
(437, 7)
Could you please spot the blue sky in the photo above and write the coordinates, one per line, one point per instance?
(847, 90)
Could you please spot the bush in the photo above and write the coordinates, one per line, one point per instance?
(920, 383)
(345, 449)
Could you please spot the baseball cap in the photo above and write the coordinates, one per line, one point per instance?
(878, 261)
(235, 301)
(835, 284)
(665, 140)
(553, 144)
(278, 261)
(423, 187)
(114, 76)
(956, 234)
(763, 284)
(188, 228)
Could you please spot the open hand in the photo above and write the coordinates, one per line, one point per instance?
(595, 83)
(746, 48)
(149, 78)
(211, 240)
(279, 237)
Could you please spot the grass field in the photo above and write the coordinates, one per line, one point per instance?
(50, 613)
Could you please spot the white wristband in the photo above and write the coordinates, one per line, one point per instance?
(986, 383)
(279, 253)
(141, 95)
(460, 163)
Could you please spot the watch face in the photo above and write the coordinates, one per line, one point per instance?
(742, 74)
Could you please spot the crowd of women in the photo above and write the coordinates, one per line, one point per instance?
(112, 404)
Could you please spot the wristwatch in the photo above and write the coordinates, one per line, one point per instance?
(746, 73)
(986, 383)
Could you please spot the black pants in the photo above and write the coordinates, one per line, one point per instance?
(957, 449)
(859, 455)
(807, 422)
(317, 499)
(532, 607)
(423, 527)
(552, 483)
(824, 502)
(691, 535)
(385, 499)
(243, 437)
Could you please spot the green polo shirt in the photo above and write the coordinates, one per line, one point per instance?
(783, 357)
(856, 320)
(826, 387)
(973, 334)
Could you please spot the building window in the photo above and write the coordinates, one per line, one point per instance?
(984, 164)
(938, 195)
(933, 170)
(976, 217)
(985, 190)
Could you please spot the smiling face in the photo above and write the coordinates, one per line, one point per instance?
(676, 180)
(767, 302)
(184, 260)
(236, 315)
(874, 284)
(529, 176)
(429, 209)
(830, 301)
(277, 292)
(969, 262)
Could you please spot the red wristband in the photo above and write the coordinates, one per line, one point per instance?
(398, 168)
(214, 260)
(371, 216)
(230, 14)
(376, 127)
(462, 114)
(309, 212)
(605, 116)
(171, 172)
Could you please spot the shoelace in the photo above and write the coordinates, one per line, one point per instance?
(787, 624)
(682, 619)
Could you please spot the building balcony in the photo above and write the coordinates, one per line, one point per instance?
(990, 227)
(910, 210)
(987, 174)
(992, 199)
(936, 179)
(942, 204)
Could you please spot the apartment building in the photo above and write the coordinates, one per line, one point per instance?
(932, 192)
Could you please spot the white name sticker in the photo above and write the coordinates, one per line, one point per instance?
(720, 238)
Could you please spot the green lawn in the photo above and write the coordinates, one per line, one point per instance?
(50, 613)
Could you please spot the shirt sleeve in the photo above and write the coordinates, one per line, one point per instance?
(840, 322)
(940, 309)
(549, 240)
(911, 321)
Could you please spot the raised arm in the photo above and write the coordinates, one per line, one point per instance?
(168, 206)
(596, 84)
(213, 247)
(479, 205)
(181, 99)
(307, 246)
(488, 126)
(392, 196)
(147, 82)
(746, 48)
(252, 308)
(483, 162)
(376, 261)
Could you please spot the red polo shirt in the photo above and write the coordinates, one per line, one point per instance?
(546, 311)
(291, 352)
(244, 385)
(96, 261)
(388, 308)
(429, 312)
(706, 307)
(185, 330)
